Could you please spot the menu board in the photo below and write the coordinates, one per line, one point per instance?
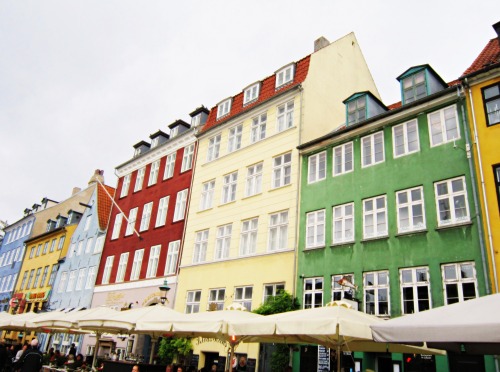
(323, 358)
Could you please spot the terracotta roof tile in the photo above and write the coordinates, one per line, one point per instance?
(267, 91)
(489, 55)
(104, 204)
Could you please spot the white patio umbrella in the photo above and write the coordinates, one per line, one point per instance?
(212, 324)
(69, 321)
(126, 321)
(471, 327)
(17, 321)
(335, 326)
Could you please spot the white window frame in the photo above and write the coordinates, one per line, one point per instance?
(316, 167)
(122, 267)
(88, 220)
(408, 203)
(229, 185)
(169, 166)
(99, 244)
(450, 198)
(180, 205)
(372, 149)
(340, 292)
(107, 269)
(224, 108)
(282, 170)
(459, 281)
(234, 138)
(271, 290)
(207, 195)
(223, 242)
(243, 296)
(315, 229)
(200, 246)
(117, 226)
(251, 93)
(285, 75)
(71, 281)
(88, 244)
(89, 283)
(193, 299)
(132, 217)
(62, 282)
(284, 116)
(248, 238)
(154, 259)
(253, 184)
(153, 173)
(415, 281)
(140, 179)
(443, 126)
(278, 231)
(343, 224)
(187, 158)
(82, 273)
(146, 216)
(377, 213)
(258, 129)
(80, 248)
(137, 264)
(401, 137)
(172, 257)
(313, 292)
(216, 298)
(379, 285)
(125, 185)
(213, 150)
(161, 214)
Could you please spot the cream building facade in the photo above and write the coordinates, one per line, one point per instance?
(240, 238)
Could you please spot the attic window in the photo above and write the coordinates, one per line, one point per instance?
(356, 110)
(174, 131)
(137, 151)
(251, 93)
(223, 108)
(285, 75)
(491, 98)
(196, 120)
(414, 87)
(154, 141)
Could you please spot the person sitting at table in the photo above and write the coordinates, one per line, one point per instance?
(78, 361)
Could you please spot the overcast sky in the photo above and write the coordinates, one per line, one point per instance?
(81, 82)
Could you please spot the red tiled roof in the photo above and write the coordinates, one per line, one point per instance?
(104, 203)
(489, 56)
(267, 91)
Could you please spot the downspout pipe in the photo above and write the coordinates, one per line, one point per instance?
(483, 187)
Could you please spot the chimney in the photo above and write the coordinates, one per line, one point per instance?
(320, 43)
(75, 191)
(496, 27)
(98, 175)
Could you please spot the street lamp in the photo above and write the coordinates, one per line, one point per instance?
(164, 290)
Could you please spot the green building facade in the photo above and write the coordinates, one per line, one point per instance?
(388, 204)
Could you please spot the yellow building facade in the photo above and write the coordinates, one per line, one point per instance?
(241, 234)
(481, 83)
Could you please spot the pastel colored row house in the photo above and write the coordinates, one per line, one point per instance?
(142, 246)
(388, 214)
(481, 83)
(240, 242)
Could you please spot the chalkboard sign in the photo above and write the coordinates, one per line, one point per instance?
(323, 358)
(195, 358)
(251, 364)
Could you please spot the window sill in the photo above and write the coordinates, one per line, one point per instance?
(280, 187)
(453, 225)
(411, 232)
(342, 244)
(252, 196)
(382, 237)
(314, 248)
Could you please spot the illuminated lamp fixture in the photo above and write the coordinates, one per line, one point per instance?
(164, 291)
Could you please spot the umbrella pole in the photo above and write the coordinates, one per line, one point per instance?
(231, 356)
(339, 347)
(96, 348)
(153, 345)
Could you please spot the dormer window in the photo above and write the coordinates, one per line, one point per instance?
(174, 131)
(155, 141)
(223, 108)
(356, 110)
(251, 93)
(137, 151)
(285, 75)
(195, 121)
(414, 87)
